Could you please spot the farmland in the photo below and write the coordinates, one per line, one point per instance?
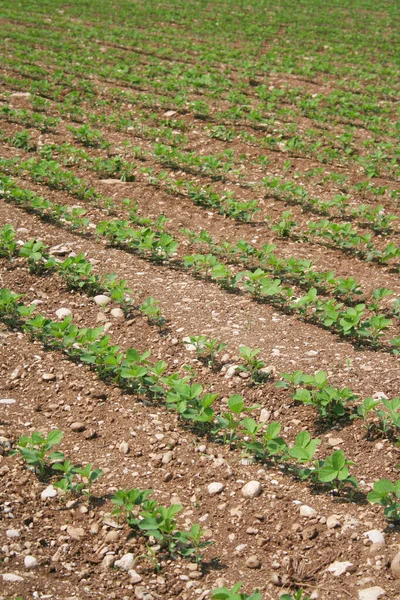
(199, 300)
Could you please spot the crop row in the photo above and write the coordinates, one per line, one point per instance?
(157, 245)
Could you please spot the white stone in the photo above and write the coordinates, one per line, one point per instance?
(102, 300)
(11, 577)
(338, 568)
(30, 562)
(307, 511)
(117, 313)
(7, 401)
(333, 522)
(215, 488)
(252, 489)
(63, 312)
(231, 371)
(126, 562)
(124, 448)
(188, 346)
(375, 536)
(265, 415)
(135, 577)
(372, 593)
(12, 533)
(168, 456)
(49, 492)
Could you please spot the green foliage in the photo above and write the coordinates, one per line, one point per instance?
(35, 450)
(387, 494)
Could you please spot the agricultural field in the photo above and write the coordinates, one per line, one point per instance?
(199, 300)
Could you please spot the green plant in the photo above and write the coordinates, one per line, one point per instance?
(387, 494)
(8, 244)
(234, 594)
(37, 256)
(253, 365)
(151, 309)
(35, 450)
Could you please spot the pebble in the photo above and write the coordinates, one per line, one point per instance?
(30, 562)
(252, 489)
(12, 578)
(333, 522)
(126, 562)
(12, 533)
(124, 448)
(112, 536)
(168, 456)
(375, 536)
(395, 566)
(48, 377)
(135, 577)
(117, 313)
(230, 371)
(215, 488)
(307, 511)
(61, 313)
(335, 441)
(76, 533)
(338, 568)
(7, 401)
(49, 492)
(108, 561)
(102, 300)
(253, 562)
(78, 426)
(265, 415)
(372, 593)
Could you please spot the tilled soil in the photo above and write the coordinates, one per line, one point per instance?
(292, 534)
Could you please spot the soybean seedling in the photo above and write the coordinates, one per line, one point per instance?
(35, 450)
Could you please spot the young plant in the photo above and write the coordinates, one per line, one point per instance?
(224, 593)
(253, 365)
(387, 494)
(8, 244)
(151, 309)
(35, 450)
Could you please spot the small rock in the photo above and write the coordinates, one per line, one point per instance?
(215, 488)
(49, 492)
(126, 562)
(94, 528)
(333, 522)
(265, 415)
(48, 377)
(168, 456)
(108, 561)
(252, 489)
(101, 300)
(124, 448)
(307, 511)
(253, 562)
(62, 313)
(335, 441)
(231, 371)
(30, 562)
(76, 533)
(78, 426)
(112, 536)
(7, 401)
(12, 533)
(135, 577)
(309, 533)
(372, 593)
(375, 536)
(117, 313)
(12, 578)
(338, 568)
(395, 566)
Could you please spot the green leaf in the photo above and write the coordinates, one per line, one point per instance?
(236, 403)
